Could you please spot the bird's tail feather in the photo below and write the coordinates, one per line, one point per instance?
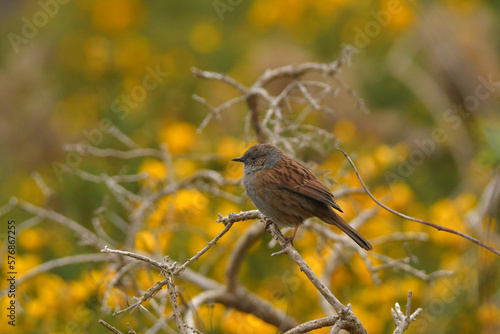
(347, 229)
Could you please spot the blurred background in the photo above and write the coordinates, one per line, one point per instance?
(427, 71)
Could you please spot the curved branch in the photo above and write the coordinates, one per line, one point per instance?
(250, 237)
(243, 301)
(437, 227)
(313, 324)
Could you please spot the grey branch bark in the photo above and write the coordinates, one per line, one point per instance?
(401, 320)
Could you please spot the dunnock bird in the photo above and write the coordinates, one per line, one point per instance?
(287, 193)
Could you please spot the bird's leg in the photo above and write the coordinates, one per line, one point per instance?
(268, 222)
(290, 239)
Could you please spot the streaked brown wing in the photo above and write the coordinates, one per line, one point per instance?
(302, 181)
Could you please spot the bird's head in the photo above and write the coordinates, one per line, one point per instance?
(260, 156)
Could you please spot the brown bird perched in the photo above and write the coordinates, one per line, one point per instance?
(287, 193)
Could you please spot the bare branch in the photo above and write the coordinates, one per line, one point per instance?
(108, 326)
(118, 134)
(247, 240)
(403, 265)
(130, 330)
(400, 236)
(192, 329)
(220, 77)
(296, 71)
(84, 234)
(437, 227)
(403, 322)
(113, 282)
(179, 270)
(488, 203)
(215, 111)
(173, 299)
(313, 324)
(243, 301)
(109, 152)
(46, 191)
(60, 262)
(161, 266)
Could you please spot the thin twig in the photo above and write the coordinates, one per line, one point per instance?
(179, 270)
(108, 326)
(60, 262)
(173, 299)
(437, 227)
(401, 264)
(313, 324)
(161, 266)
(401, 320)
(220, 77)
(118, 134)
(84, 234)
(109, 152)
(46, 191)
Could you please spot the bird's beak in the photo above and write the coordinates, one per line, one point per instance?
(240, 159)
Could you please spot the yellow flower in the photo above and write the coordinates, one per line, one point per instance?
(384, 155)
(229, 147)
(79, 291)
(344, 130)
(237, 322)
(133, 53)
(179, 136)
(445, 213)
(156, 170)
(266, 13)
(145, 241)
(196, 243)
(161, 214)
(402, 195)
(32, 239)
(27, 262)
(51, 289)
(262, 14)
(370, 320)
(233, 170)
(146, 277)
(361, 272)
(29, 191)
(465, 202)
(400, 14)
(36, 308)
(115, 15)
(184, 168)
(314, 260)
(327, 8)
(489, 315)
(204, 38)
(366, 166)
(211, 314)
(97, 55)
(190, 200)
